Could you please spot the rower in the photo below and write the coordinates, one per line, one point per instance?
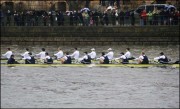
(11, 60)
(110, 54)
(124, 59)
(128, 54)
(104, 59)
(42, 55)
(75, 55)
(25, 55)
(48, 59)
(8, 53)
(30, 59)
(162, 58)
(86, 59)
(66, 59)
(92, 54)
(59, 55)
(143, 59)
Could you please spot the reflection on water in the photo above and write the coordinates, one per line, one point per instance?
(172, 51)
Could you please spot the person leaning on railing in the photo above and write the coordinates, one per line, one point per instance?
(150, 17)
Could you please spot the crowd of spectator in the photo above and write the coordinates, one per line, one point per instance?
(88, 18)
(159, 17)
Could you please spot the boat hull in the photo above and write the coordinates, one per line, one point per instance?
(94, 65)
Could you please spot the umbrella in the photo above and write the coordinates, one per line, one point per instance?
(110, 8)
(85, 9)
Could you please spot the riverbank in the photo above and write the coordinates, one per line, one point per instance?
(79, 35)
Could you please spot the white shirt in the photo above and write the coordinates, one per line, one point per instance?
(28, 57)
(7, 54)
(59, 54)
(160, 57)
(65, 57)
(75, 55)
(102, 58)
(41, 55)
(25, 55)
(122, 57)
(110, 55)
(47, 57)
(85, 57)
(128, 54)
(141, 57)
(92, 54)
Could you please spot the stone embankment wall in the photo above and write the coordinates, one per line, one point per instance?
(79, 35)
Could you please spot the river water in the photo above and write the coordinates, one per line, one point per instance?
(91, 87)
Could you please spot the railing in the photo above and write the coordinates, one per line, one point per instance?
(91, 21)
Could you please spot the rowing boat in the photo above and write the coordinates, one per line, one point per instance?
(94, 65)
(58, 62)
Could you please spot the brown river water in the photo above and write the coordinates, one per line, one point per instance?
(91, 87)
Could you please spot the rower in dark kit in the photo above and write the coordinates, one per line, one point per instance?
(11, 60)
(162, 59)
(30, 59)
(104, 59)
(143, 59)
(123, 58)
(86, 59)
(66, 59)
(48, 59)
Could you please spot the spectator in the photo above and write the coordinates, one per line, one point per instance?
(155, 17)
(51, 19)
(71, 19)
(8, 14)
(23, 18)
(105, 18)
(91, 22)
(60, 18)
(96, 18)
(101, 18)
(86, 18)
(36, 19)
(162, 14)
(80, 18)
(15, 18)
(75, 18)
(176, 17)
(150, 17)
(45, 18)
(143, 17)
(1, 18)
(113, 18)
(132, 18)
(121, 17)
(127, 17)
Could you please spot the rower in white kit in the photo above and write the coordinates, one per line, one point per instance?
(110, 54)
(92, 54)
(59, 54)
(25, 55)
(75, 55)
(8, 54)
(42, 55)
